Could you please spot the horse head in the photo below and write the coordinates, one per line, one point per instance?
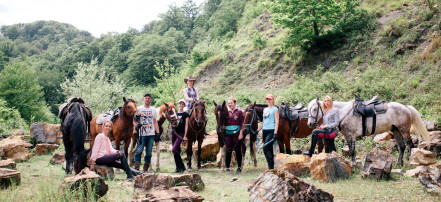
(199, 112)
(221, 113)
(130, 110)
(169, 111)
(315, 112)
(250, 118)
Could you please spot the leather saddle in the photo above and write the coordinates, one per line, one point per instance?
(64, 109)
(293, 114)
(110, 115)
(369, 108)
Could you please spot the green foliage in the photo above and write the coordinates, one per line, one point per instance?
(167, 84)
(20, 89)
(258, 41)
(224, 21)
(99, 89)
(10, 119)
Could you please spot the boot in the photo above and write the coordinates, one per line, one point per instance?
(137, 164)
(126, 168)
(239, 170)
(146, 167)
(135, 172)
(176, 163)
(331, 145)
(180, 167)
(312, 148)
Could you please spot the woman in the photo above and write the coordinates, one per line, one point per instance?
(104, 154)
(234, 136)
(328, 130)
(269, 126)
(177, 136)
(191, 93)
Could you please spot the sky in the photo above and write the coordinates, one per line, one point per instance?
(95, 16)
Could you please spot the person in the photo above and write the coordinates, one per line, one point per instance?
(104, 154)
(177, 136)
(269, 127)
(191, 93)
(148, 132)
(328, 129)
(234, 135)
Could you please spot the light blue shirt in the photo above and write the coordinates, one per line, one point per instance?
(269, 120)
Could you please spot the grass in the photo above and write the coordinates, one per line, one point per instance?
(41, 182)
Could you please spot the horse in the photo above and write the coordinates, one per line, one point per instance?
(122, 128)
(252, 114)
(166, 112)
(221, 114)
(74, 130)
(398, 118)
(196, 131)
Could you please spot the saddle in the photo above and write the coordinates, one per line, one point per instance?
(110, 115)
(293, 114)
(369, 108)
(64, 109)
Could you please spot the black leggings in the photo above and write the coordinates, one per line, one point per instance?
(268, 149)
(112, 160)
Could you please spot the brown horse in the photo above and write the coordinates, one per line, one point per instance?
(166, 112)
(253, 114)
(195, 131)
(284, 129)
(221, 114)
(122, 126)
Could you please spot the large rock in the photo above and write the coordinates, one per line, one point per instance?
(46, 133)
(58, 158)
(105, 172)
(420, 157)
(435, 143)
(377, 165)
(416, 171)
(275, 186)
(83, 180)
(329, 167)
(431, 179)
(8, 163)
(45, 148)
(15, 147)
(9, 177)
(17, 132)
(210, 147)
(194, 181)
(297, 165)
(146, 183)
(430, 125)
(383, 137)
(182, 193)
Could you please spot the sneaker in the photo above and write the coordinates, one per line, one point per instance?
(228, 170)
(239, 170)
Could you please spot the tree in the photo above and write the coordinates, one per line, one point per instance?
(20, 88)
(306, 19)
(168, 83)
(100, 90)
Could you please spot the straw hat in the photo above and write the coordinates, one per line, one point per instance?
(190, 78)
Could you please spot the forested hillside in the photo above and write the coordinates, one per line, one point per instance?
(296, 50)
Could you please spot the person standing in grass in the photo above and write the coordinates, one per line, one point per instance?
(269, 128)
(178, 135)
(234, 135)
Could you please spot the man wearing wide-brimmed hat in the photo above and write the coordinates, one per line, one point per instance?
(191, 93)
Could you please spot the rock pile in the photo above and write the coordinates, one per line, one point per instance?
(46, 133)
(377, 165)
(16, 148)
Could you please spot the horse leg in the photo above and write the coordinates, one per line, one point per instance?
(189, 153)
(350, 138)
(222, 159)
(320, 146)
(68, 156)
(158, 153)
(409, 144)
(287, 140)
(401, 146)
(132, 147)
(200, 152)
(253, 149)
(281, 143)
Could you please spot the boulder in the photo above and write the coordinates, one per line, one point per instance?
(431, 179)
(377, 165)
(8, 163)
(430, 125)
(416, 171)
(17, 132)
(15, 147)
(297, 165)
(194, 181)
(329, 167)
(210, 147)
(435, 143)
(146, 183)
(275, 186)
(45, 148)
(46, 133)
(9, 177)
(420, 157)
(58, 158)
(83, 180)
(182, 193)
(383, 137)
(105, 172)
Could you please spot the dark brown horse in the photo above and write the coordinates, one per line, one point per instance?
(253, 114)
(122, 126)
(221, 114)
(166, 112)
(284, 129)
(195, 131)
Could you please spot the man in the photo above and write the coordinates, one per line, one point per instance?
(148, 130)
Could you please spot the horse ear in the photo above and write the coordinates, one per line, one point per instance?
(253, 105)
(214, 103)
(173, 103)
(124, 99)
(204, 101)
(165, 104)
(223, 104)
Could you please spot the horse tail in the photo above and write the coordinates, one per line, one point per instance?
(418, 125)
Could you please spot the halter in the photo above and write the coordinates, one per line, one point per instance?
(316, 116)
(248, 125)
(219, 127)
(170, 118)
(121, 118)
(196, 119)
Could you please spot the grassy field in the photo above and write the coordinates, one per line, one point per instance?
(41, 181)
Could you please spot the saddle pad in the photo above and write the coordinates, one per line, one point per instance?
(102, 117)
(327, 136)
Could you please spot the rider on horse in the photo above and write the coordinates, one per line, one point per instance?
(191, 95)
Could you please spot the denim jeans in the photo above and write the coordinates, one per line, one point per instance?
(268, 150)
(147, 142)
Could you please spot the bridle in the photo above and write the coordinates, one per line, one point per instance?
(197, 118)
(248, 125)
(123, 113)
(220, 127)
(172, 118)
(316, 115)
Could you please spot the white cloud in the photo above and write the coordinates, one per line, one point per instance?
(95, 16)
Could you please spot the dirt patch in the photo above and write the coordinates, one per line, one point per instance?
(209, 72)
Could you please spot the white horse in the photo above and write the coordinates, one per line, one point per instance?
(398, 118)
(166, 112)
